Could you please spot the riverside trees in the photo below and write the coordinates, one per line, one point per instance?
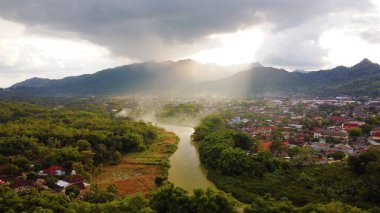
(249, 175)
(34, 137)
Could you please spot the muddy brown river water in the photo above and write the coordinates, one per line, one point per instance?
(185, 168)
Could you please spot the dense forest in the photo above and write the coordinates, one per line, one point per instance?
(33, 137)
(236, 166)
(168, 198)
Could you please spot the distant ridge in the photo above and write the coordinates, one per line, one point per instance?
(140, 78)
(360, 79)
(33, 82)
(190, 78)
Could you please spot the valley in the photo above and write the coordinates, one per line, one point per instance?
(198, 106)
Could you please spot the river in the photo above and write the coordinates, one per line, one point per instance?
(185, 169)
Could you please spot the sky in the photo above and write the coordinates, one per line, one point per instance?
(55, 38)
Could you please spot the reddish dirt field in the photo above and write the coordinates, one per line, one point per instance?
(137, 171)
(139, 184)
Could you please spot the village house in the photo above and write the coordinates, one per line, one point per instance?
(72, 180)
(348, 150)
(352, 124)
(338, 134)
(339, 119)
(374, 139)
(53, 170)
(316, 146)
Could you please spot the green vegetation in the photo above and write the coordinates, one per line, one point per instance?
(268, 204)
(84, 137)
(174, 199)
(355, 132)
(166, 199)
(33, 138)
(235, 169)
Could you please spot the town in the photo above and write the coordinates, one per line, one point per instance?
(332, 128)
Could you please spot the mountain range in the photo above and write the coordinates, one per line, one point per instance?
(190, 78)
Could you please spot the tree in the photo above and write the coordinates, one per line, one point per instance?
(200, 132)
(51, 181)
(116, 157)
(269, 205)
(334, 206)
(359, 163)
(13, 170)
(44, 201)
(277, 135)
(293, 151)
(32, 176)
(83, 145)
(97, 195)
(210, 153)
(169, 198)
(72, 191)
(337, 155)
(135, 204)
(211, 201)
(9, 201)
(355, 132)
(159, 180)
(132, 141)
(209, 124)
(367, 128)
(276, 148)
(234, 161)
(304, 155)
(243, 140)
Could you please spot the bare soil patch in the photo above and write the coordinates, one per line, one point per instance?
(137, 171)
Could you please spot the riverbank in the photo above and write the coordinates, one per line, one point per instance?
(137, 171)
(185, 170)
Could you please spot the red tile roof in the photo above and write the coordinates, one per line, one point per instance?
(266, 145)
(53, 170)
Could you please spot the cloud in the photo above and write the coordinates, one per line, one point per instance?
(300, 46)
(372, 36)
(294, 48)
(24, 56)
(160, 30)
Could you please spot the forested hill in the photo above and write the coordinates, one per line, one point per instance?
(190, 78)
(360, 79)
(147, 78)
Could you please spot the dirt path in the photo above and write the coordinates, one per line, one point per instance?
(136, 172)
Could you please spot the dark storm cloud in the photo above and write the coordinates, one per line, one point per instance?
(159, 30)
